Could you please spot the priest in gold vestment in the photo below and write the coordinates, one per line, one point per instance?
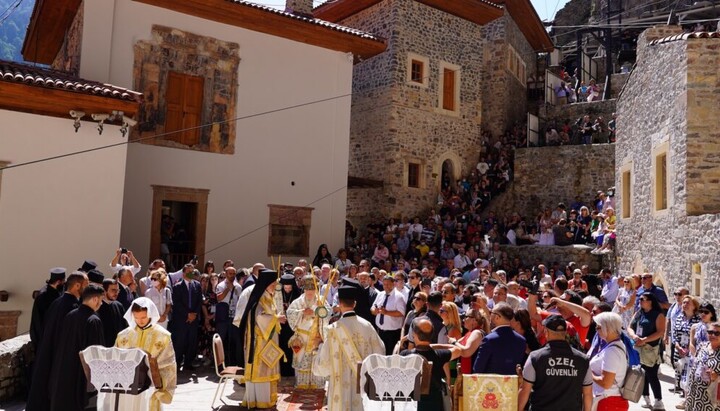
(260, 327)
(346, 342)
(145, 334)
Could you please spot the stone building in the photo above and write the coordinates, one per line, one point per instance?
(450, 70)
(240, 148)
(667, 151)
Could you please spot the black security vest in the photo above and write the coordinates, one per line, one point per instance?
(559, 374)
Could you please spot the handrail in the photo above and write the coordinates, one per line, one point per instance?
(607, 86)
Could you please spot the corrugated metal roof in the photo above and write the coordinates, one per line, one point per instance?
(43, 77)
(686, 36)
(315, 21)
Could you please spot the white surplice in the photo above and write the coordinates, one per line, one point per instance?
(347, 341)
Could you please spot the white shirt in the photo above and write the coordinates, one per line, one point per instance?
(242, 304)
(331, 295)
(231, 298)
(461, 261)
(610, 290)
(175, 277)
(612, 358)
(117, 267)
(395, 302)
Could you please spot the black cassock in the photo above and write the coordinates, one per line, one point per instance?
(112, 316)
(40, 308)
(68, 385)
(286, 368)
(39, 397)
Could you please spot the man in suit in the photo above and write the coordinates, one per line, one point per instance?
(126, 281)
(250, 280)
(503, 349)
(187, 302)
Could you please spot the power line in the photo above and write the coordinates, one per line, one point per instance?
(154, 136)
(10, 10)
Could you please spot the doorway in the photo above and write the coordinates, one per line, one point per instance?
(447, 176)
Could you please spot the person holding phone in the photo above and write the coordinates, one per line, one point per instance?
(125, 258)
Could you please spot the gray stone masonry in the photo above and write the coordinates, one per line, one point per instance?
(15, 354)
(669, 104)
(395, 122)
(545, 176)
(571, 112)
(580, 254)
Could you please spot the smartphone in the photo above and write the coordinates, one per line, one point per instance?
(123, 251)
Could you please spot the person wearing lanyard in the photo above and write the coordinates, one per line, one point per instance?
(609, 365)
(389, 309)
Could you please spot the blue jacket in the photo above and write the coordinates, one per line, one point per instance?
(500, 352)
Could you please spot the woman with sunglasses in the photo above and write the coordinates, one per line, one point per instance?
(419, 307)
(704, 371)
(698, 332)
(451, 320)
(681, 337)
(647, 328)
(625, 301)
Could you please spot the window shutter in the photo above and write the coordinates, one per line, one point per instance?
(174, 104)
(448, 89)
(183, 100)
(192, 110)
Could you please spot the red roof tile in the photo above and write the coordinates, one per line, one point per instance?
(48, 78)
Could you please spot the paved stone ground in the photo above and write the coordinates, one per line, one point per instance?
(196, 395)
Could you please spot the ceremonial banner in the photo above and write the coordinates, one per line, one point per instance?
(490, 392)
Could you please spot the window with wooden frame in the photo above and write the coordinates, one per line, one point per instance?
(661, 182)
(413, 175)
(417, 71)
(289, 230)
(448, 99)
(184, 102)
(626, 191)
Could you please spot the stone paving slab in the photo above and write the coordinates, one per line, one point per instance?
(197, 396)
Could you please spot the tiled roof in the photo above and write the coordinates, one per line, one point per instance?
(685, 36)
(318, 22)
(43, 77)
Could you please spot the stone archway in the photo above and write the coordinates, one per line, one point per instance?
(448, 168)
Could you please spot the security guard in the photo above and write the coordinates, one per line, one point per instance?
(556, 377)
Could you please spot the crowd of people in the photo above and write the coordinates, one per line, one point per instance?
(585, 130)
(568, 332)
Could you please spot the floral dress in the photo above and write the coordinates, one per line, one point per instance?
(699, 381)
(624, 297)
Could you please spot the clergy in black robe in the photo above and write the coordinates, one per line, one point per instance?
(81, 329)
(39, 396)
(289, 293)
(111, 313)
(49, 293)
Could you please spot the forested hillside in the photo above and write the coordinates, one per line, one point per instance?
(14, 18)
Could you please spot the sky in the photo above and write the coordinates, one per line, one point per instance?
(546, 9)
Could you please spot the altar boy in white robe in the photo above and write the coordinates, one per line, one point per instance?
(346, 342)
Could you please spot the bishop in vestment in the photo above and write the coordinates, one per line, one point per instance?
(304, 319)
(260, 326)
(347, 341)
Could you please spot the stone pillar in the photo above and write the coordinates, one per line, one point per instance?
(8, 324)
(655, 33)
(299, 7)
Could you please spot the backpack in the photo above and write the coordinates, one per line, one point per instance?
(632, 354)
(632, 387)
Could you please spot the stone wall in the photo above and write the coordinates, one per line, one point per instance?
(559, 114)
(395, 122)
(68, 57)
(545, 176)
(214, 60)
(504, 101)
(667, 98)
(15, 354)
(529, 254)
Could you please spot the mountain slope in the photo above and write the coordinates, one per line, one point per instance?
(14, 19)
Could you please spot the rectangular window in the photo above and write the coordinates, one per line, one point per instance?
(289, 232)
(183, 98)
(417, 71)
(414, 175)
(661, 183)
(448, 99)
(626, 194)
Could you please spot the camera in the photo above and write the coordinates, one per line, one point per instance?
(123, 251)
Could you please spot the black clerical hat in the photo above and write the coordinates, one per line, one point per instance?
(57, 273)
(351, 282)
(87, 266)
(287, 279)
(95, 276)
(348, 292)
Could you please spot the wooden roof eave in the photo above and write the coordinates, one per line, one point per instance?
(263, 21)
(58, 103)
(48, 26)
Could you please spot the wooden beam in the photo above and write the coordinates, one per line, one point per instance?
(58, 103)
(49, 23)
(359, 182)
(527, 19)
(336, 11)
(268, 22)
(476, 11)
